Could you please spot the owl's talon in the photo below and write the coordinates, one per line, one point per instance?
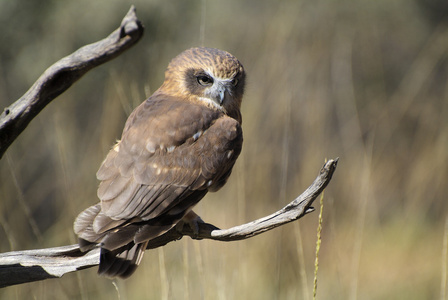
(192, 220)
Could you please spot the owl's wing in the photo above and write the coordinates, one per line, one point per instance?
(170, 154)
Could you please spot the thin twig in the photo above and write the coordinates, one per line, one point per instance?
(318, 242)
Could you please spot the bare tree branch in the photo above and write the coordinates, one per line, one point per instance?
(61, 75)
(32, 265)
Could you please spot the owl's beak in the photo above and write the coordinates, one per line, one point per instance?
(222, 94)
(218, 92)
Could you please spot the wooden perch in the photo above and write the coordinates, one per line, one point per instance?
(61, 75)
(32, 265)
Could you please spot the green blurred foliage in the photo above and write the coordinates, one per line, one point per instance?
(364, 81)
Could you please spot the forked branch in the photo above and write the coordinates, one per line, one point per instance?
(33, 265)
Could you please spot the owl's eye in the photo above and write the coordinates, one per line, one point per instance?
(205, 80)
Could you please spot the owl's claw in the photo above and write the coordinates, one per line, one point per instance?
(192, 220)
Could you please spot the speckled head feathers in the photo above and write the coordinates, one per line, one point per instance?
(224, 77)
(221, 63)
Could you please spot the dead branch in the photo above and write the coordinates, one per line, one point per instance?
(61, 75)
(33, 265)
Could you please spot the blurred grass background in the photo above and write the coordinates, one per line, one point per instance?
(361, 80)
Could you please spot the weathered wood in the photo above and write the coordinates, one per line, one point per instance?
(61, 75)
(32, 265)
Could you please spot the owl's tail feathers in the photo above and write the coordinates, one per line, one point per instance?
(121, 262)
(119, 256)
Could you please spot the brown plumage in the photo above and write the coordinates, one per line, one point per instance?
(176, 146)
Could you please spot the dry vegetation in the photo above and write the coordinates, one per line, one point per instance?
(361, 80)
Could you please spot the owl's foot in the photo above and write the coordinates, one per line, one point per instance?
(192, 220)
